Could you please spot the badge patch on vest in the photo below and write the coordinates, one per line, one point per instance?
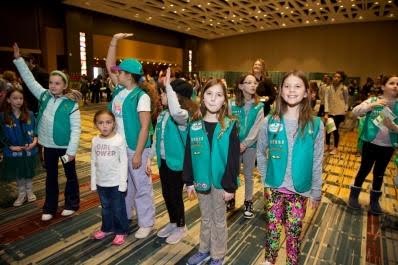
(275, 127)
(196, 126)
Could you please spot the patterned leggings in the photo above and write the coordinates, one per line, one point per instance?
(286, 210)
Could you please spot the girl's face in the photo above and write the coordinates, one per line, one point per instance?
(249, 85)
(123, 77)
(56, 85)
(257, 67)
(15, 100)
(163, 98)
(390, 89)
(293, 90)
(214, 98)
(105, 124)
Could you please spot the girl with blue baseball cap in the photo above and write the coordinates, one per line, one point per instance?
(131, 106)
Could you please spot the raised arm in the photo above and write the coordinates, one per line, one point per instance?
(26, 74)
(111, 57)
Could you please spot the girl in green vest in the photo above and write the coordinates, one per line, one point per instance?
(168, 146)
(132, 104)
(250, 113)
(211, 168)
(289, 158)
(379, 136)
(58, 129)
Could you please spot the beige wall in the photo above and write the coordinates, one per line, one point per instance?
(361, 49)
(53, 45)
(136, 49)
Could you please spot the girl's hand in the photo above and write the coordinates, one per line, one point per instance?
(228, 196)
(71, 158)
(119, 36)
(16, 51)
(167, 77)
(191, 192)
(379, 103)
(136, 161)
(30, 146)
(313, 203)
(242, 148)
(17, 148)
(148, 169)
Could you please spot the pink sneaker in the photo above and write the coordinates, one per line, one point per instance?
(119, 240)
(100, 234)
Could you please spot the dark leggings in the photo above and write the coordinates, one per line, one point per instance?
(376, 155)
(338, 119)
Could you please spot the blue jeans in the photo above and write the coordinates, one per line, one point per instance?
(114, 216)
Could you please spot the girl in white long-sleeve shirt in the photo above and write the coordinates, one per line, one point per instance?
(109, 176)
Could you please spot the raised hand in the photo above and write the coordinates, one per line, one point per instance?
(16, 51)
(120, 36)
(167, 77)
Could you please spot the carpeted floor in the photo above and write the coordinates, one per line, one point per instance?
(332, 235)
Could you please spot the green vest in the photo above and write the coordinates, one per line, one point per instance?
(131, 119)
(302, 157)
(246, 120)
(61, 124)
(209, 166)
(370, 130)
(174, 142)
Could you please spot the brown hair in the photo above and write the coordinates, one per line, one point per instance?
(305, 111)
(103, 111)
(150, 88)
(7, 109)
(385, 79)
(264, 73)
(239, 98)
(223, 112)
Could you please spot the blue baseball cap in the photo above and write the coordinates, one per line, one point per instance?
(131, 66)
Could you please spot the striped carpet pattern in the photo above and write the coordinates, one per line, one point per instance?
(332, 234)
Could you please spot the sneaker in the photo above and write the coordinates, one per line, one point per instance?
(177, 235)
(143, 232)
(230, 205)
(31, 196)
(20, 200)
(333, 152)
(216, 261)
(119, 240)
(67, 212)
(100, 234)
(248, 212)
(46, 217)
(198, 258)
(167, 230)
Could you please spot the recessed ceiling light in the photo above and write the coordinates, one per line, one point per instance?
(199, 5)
(171, 5)
(321, 8)
(389, 2)
(175, 11)
(183, 9)
(261, 27)
(291, 12)
(310, 9)
(259, 11)
(353, 5)
(360, 17)
(283, 24)
(332, 19)
(307, 22)
(265, 15)
(376, 3)
(391, 15)
(342, 6)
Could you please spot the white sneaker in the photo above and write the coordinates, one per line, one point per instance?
(31, 196)
(167, 230)
(143, 232)
(46, 217)
(177, 235)
(67, 212)
(20, 200)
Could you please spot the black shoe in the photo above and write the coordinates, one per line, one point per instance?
(248, 212)
(230, 205)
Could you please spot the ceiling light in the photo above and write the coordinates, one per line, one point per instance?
(265, 15)
(310, 9)
(287, 7)
(389, 2)
(291, 12)
(318, 4)
(360, 17)
(261, 27)
(175, 11)
(332, 19)
(321, 8)
(208, 3)
(183, 9)
(342, 6)
(283, 25)
(259, 11)
(199, 5)
(391, 15)
(353, 5)
(307, 22)
(376, 3)
(171, 5)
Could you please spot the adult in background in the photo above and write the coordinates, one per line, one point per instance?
(258, 70)
(336, 106)
(326, 82)
(40, 75)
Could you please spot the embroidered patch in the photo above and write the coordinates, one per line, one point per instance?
(275, 127)
(196, 126)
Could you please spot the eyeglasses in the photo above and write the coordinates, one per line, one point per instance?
(250, 83)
